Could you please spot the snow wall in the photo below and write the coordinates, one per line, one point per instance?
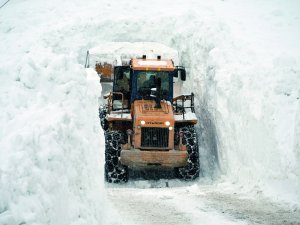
(243, 64)
(51, 168)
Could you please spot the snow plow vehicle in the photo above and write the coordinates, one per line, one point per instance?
(145, 126)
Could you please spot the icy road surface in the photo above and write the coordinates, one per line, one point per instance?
(148, 203)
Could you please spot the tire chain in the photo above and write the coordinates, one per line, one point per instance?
(102, 116)
(114, 171)
(191, 170)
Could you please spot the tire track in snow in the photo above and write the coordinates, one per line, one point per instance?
(196, 205)
(140, 207)
(174, 206)
(258, 211)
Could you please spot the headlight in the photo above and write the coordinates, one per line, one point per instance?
(167, 123)
(143, 122)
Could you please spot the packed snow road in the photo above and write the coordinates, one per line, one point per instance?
(145, 203)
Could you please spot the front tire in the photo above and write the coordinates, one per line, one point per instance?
(102, 116)
(191, 170)
(114, 171)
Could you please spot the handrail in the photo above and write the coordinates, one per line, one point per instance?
(184, 98)
(110, 101)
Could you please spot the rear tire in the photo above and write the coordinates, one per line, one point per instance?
(191, 170)
(114, 171)
(102, 116)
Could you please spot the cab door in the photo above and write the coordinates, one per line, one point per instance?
(122, 84)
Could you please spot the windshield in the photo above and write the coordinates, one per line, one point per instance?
(153, 79)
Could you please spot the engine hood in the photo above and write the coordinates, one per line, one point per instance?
(144, 110)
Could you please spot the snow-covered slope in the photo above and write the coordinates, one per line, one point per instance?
(249, 73)
(244, 65)
(50, 163)
(250, 81)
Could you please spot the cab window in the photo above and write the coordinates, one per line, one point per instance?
(148, 79)
(121, 85)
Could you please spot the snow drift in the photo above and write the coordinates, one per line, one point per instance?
(50, 165)
(243, 61)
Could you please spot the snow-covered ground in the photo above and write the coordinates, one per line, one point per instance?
(146, 203)
(243, 62)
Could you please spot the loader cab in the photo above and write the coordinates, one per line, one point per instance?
(139, 84)
(136, 84)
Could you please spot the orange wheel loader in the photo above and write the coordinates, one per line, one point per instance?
(145, 126)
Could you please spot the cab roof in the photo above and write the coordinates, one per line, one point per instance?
(152, 64)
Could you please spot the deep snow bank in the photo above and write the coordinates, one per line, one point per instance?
(244, 63)
(251, 89)
(50, 163)
(244, 71)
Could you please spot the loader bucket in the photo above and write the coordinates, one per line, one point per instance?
(105, 71)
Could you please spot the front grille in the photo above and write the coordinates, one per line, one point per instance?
(155, 137)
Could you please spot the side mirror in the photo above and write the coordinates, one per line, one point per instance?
(180, 70)
(183, 75)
